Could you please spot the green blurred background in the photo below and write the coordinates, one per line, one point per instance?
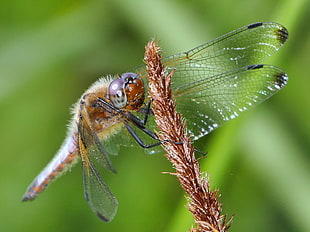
(51, 51)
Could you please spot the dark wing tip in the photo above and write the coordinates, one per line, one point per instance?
(86, 196)
(102, 217)
(281, 79)
(281, 33)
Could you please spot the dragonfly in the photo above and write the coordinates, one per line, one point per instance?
(212, 84)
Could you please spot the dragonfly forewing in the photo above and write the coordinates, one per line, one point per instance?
(242, 47)
(91, 141)
(97, 194)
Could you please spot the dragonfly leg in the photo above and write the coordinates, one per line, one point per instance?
(200, 152)
(142, 143)
(141, 125)
(147, 111)
(139, 140)
(138, 123)
(148, 132)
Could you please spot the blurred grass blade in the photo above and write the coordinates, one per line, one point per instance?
(280, 165)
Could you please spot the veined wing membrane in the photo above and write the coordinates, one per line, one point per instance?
(91, 141)
(207, 78)
(217, 80)
(242, 47)
(125, 139)
(222, 97)
(98, 195)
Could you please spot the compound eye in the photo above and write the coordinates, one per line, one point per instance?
(134, 90)
(129, 77)
(117, 94)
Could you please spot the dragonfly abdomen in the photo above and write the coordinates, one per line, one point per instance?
(67, 156)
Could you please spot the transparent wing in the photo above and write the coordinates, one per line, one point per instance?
(210, 102)
(114, 139)
(98, 195)
(242, 47)
(113, 143)
(216, 81)
(91, 141)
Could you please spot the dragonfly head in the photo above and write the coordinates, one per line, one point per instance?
(127, 91)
